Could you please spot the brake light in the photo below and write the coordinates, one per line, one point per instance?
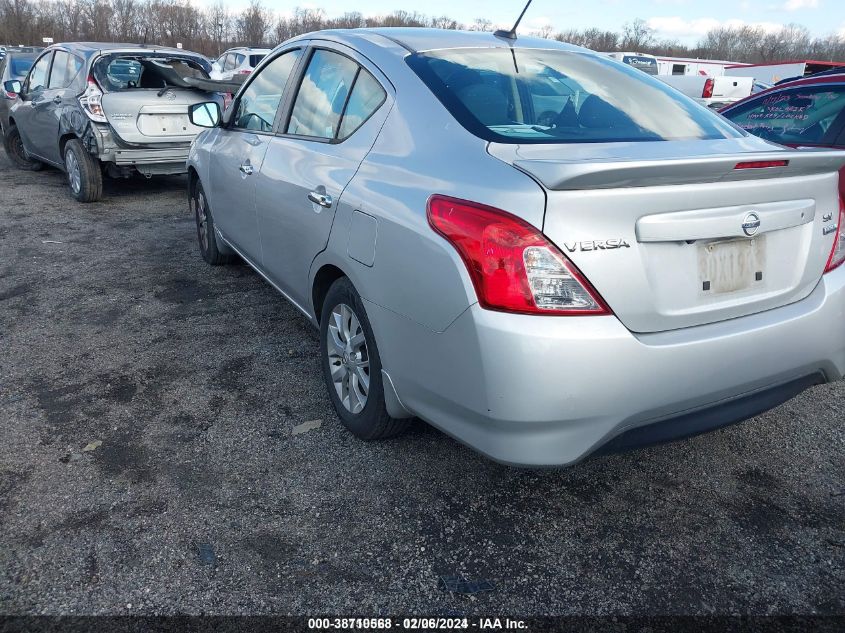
(761, 164)
(513, 267)
(244, 72)
(707, 93)
(92, 102)
(837, 253)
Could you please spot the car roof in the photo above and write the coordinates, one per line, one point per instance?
(416, 40)
(90, 48)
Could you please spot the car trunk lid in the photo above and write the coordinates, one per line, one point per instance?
(679, 234)
(147, 117)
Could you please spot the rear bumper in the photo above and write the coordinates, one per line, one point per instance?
(176, 157)
(546, 391)
(164, 160)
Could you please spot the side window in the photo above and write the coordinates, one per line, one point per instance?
(322, 95)
(37, 79)
(800, 116)
(230, 62)
(65, 69)
(239, 59)
(258, 104)
(367, 97)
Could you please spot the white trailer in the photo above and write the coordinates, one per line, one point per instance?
(690, 66)
(775, 72)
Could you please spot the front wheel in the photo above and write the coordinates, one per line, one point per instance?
(352, 366)
(84, 175)
(13, 144)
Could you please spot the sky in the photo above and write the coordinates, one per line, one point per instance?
(684, 20)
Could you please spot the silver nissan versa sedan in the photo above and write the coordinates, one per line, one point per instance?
(537, 249)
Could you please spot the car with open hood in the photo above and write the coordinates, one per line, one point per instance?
(116, 109)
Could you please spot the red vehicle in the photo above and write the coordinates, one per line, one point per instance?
(804, 113)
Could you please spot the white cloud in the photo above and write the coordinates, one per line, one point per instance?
(675, 26)
(798, 5)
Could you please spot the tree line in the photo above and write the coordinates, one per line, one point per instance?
(215, 28)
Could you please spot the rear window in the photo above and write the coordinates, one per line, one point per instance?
(254, 59)
(800, 116)
(19, 67)
(646, 64)
(550, 96)
(115, 73)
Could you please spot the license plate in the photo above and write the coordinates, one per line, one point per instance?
(163, 124)
(731, 266)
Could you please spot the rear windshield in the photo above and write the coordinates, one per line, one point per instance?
(19, 67)
(646, 64)
(550, 96)
(254, 59)
(117, 73)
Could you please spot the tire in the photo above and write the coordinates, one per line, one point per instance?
(213, 251)
(84, 176)
(13, 144)
(359, 404)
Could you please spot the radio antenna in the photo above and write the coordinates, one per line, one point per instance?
(511, 35)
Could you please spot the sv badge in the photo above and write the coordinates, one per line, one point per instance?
(596, 245)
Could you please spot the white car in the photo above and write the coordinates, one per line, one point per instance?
(237, 61)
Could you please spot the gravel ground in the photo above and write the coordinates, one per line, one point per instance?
(201, 498)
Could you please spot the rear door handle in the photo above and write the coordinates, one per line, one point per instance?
(323, 199)
(246, 169)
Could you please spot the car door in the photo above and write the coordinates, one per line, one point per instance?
(239, 153)
(334, 119)
(61, 86)
(30, 107)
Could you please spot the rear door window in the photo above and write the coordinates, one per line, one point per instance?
(254, 59)
(230, 62)
(38, 75)
(259, 102)
(797, 116)
(65, 69)
(322, 95)
(367, 96)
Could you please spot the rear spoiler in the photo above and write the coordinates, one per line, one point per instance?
(562, 175)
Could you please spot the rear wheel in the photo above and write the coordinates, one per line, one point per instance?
(213, 250)
(352, 366)
(84, 175)
(13, 145)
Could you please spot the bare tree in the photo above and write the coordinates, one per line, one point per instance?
(637, 35)
(253, 24)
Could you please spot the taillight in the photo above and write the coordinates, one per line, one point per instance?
(92, 102)
(708, 88)
(513, 267)
(837, 253)
(244, 72)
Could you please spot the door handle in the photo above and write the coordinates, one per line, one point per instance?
(323, 199)
(246, 169)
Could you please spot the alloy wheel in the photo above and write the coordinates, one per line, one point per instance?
(349, 360)
(202, 219)
(74, 174)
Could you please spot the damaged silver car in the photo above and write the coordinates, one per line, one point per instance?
(116, 109)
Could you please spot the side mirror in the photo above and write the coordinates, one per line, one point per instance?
(13, 86)
(205, 114)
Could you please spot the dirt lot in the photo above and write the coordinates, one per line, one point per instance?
(201, 499)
